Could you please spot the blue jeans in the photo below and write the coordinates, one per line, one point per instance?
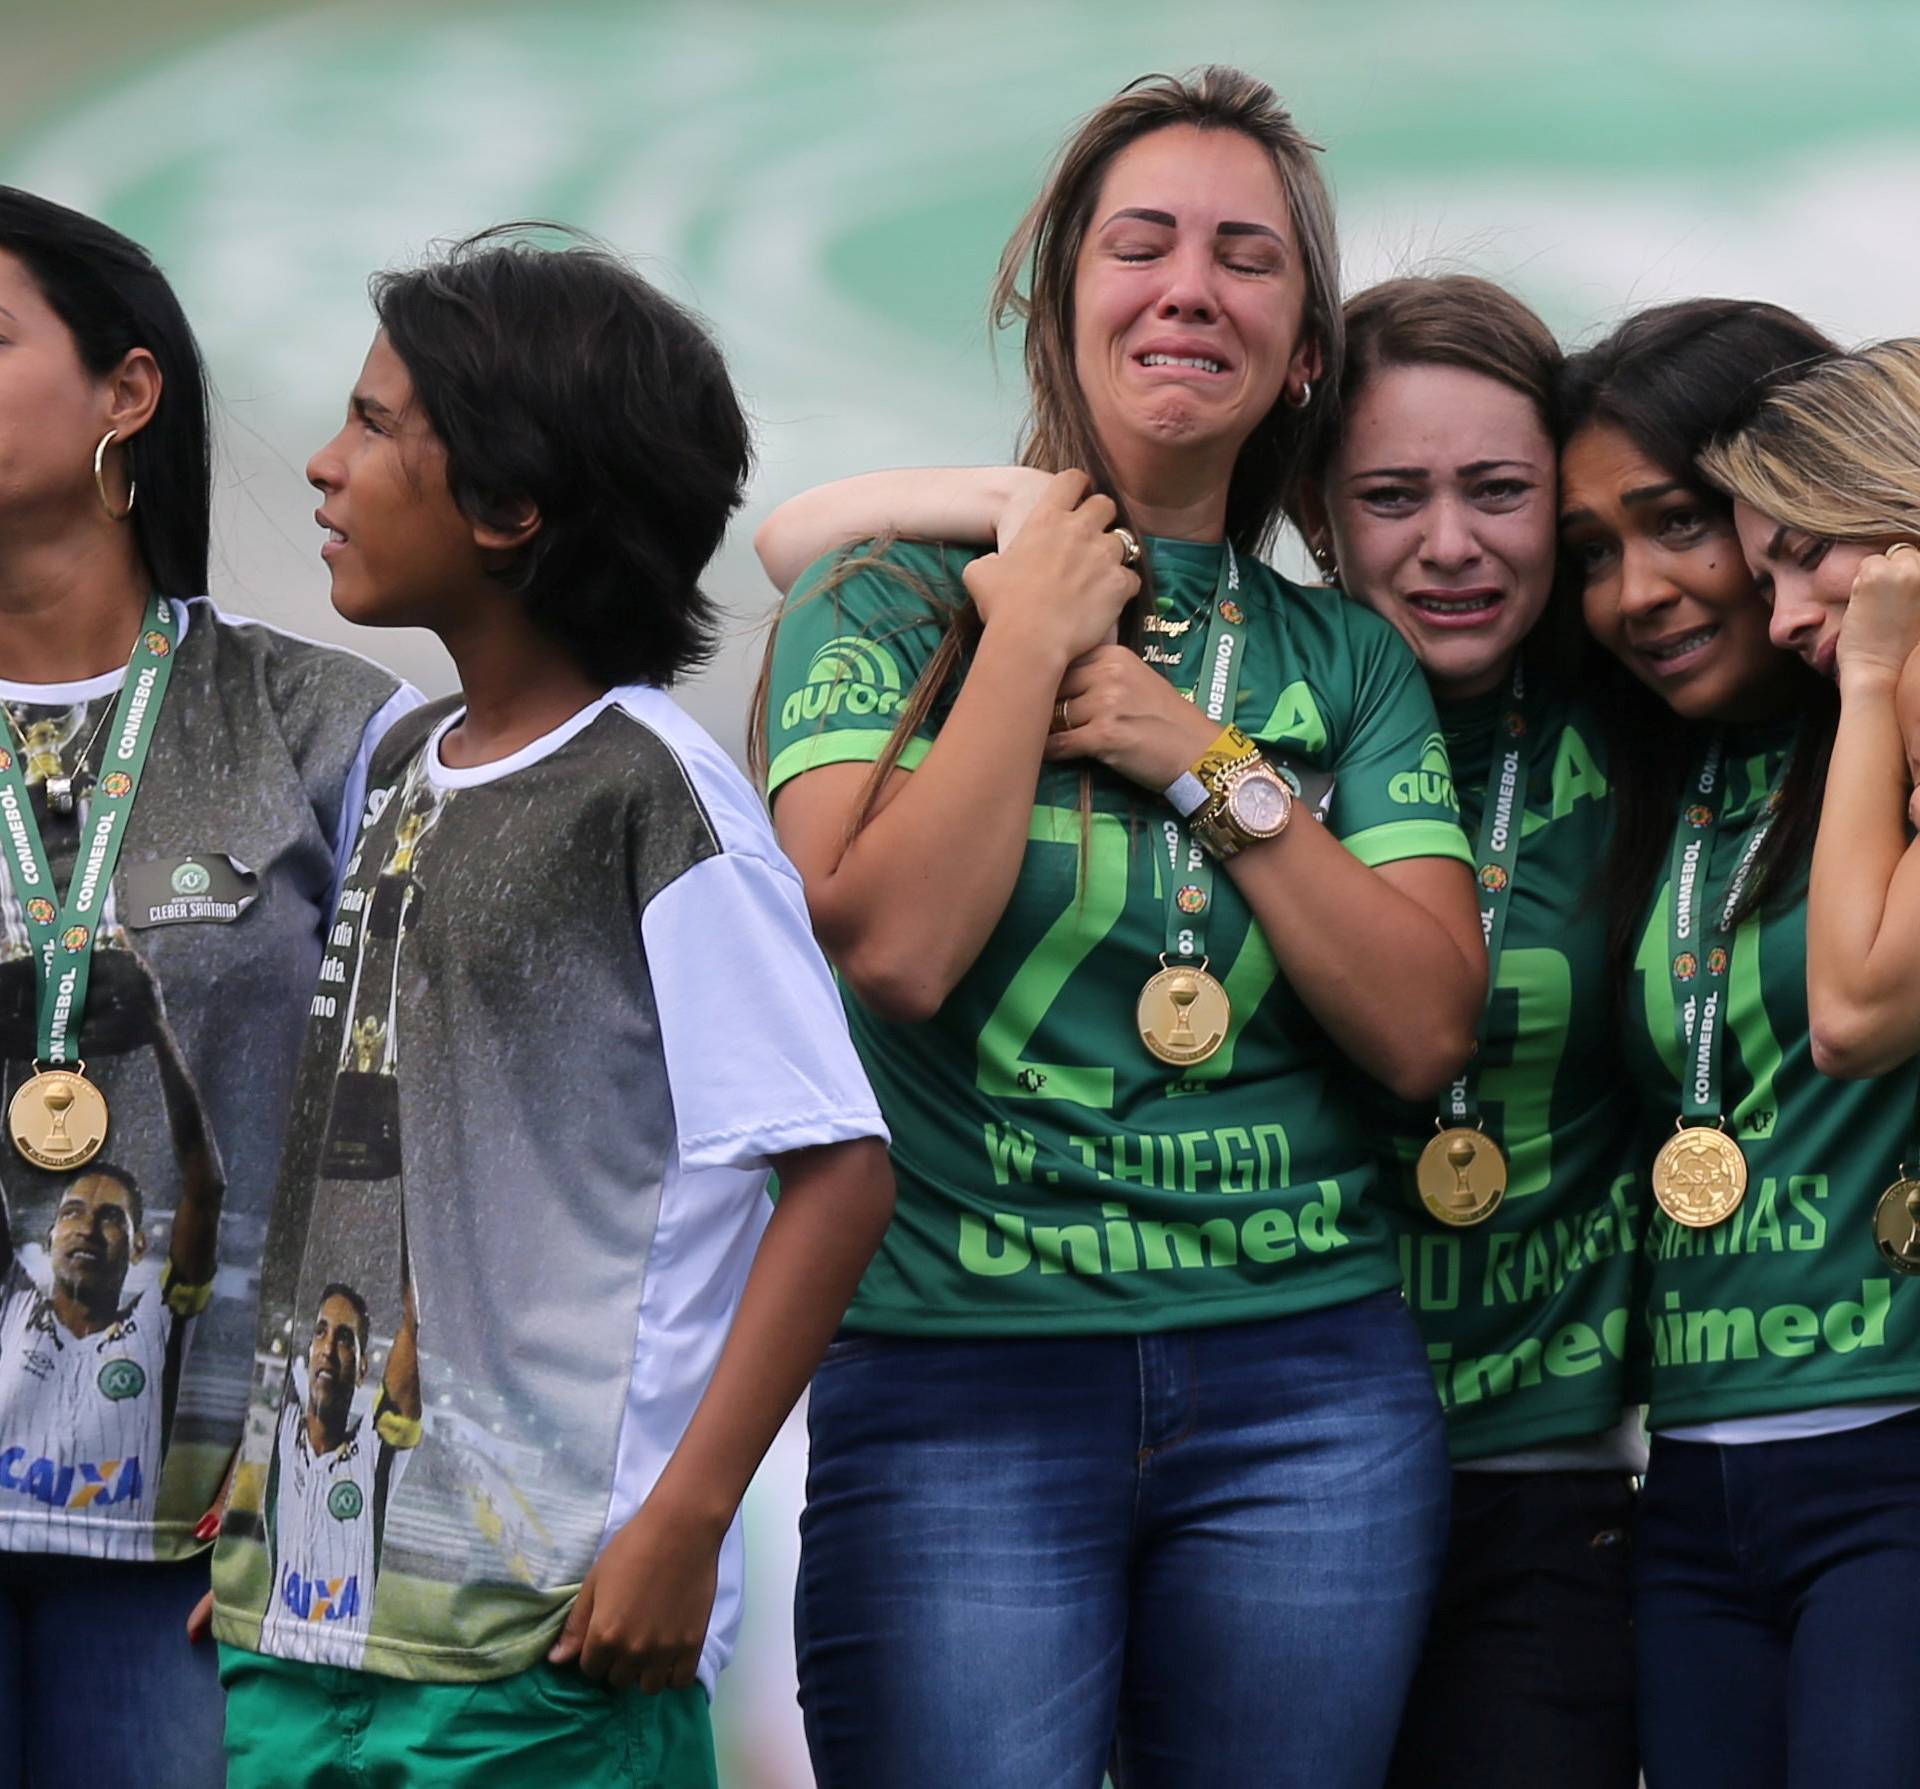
(98, 1682)
(1208, 1555)
(1776, 1626)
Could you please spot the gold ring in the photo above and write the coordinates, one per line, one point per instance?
(1060, 721)
(1901, 546)
(1129, 546)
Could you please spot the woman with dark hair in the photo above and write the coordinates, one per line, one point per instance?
(1780, 1524)
(1129, 1431)
(179, 789)
(1520, 1205)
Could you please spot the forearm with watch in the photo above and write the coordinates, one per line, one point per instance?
(1373, 960)
(1231, 796)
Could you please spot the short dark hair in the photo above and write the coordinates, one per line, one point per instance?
(108, 292)
(340, 1289)
(1671, 379)
(123, 1177)
(560, 377)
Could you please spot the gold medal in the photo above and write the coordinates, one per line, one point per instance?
(1183, 1014)
(1462, 1176)
(1896, 1225)
(1699, 1176)
(58, 1119)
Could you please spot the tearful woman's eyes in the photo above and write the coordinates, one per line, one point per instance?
(1502, 490)
(1682, 527)
(1393, 497)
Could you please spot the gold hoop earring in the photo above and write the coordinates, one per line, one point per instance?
(1304, 399)
(100, 478)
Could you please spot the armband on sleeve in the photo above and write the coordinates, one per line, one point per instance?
(397, 1431)
(180, 1298)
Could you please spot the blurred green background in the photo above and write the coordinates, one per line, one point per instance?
(830, 184)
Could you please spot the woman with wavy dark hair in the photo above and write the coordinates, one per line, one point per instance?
(1129, 853)
(178, 788)
(1776, 1537)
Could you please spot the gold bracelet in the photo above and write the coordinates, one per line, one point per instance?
(1229, 751)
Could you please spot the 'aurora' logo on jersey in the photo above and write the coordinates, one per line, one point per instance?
(848, 673)
(320, 1599)
(344, 1501)
(122, 1379)
(1686, 966)
(1432, 784)
(82, 1485)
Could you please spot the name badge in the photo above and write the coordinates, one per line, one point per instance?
(207, 887)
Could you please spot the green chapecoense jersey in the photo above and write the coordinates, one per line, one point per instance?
(1527, 1317)
(1054, 1178)
(1787, 1305)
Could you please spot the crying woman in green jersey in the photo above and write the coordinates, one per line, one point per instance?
(1779, 1531)
(1129, 852)
(1515, 1196)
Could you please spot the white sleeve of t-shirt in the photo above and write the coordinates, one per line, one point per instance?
(758, 1057)
(353, 797)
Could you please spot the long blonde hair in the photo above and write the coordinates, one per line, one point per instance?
(1836, 452)
(1034, 285)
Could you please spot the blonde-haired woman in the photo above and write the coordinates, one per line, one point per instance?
(1826, 487)
(1130, 1447)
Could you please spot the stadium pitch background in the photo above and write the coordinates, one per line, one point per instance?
(830, 185)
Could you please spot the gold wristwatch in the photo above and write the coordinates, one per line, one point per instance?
(1245, 799)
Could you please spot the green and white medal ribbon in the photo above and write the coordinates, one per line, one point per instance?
(59, 1118)
(1700, 1175)
(1183, 1012)
(1462, 1173)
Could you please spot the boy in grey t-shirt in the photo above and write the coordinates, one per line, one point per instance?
(570, 1017)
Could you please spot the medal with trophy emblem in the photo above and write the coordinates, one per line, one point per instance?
(1700, 1175)
(58, 1118)
(1896, 1223)
(1183, 1013)
(1461, 1175)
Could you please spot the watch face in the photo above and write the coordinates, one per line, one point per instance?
(1259, 805)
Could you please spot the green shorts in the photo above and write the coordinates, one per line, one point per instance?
(297, 1726)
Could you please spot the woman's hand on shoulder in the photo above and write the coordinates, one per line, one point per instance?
(1882, 624)
(1059, 581)
(1119, 710)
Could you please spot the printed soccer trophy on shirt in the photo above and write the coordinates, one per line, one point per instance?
(363, 1130)
(42, 744)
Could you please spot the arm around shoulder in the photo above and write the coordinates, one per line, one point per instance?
(970, 505)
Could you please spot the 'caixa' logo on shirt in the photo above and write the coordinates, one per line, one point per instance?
(80, 1484)
(320, 1599)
